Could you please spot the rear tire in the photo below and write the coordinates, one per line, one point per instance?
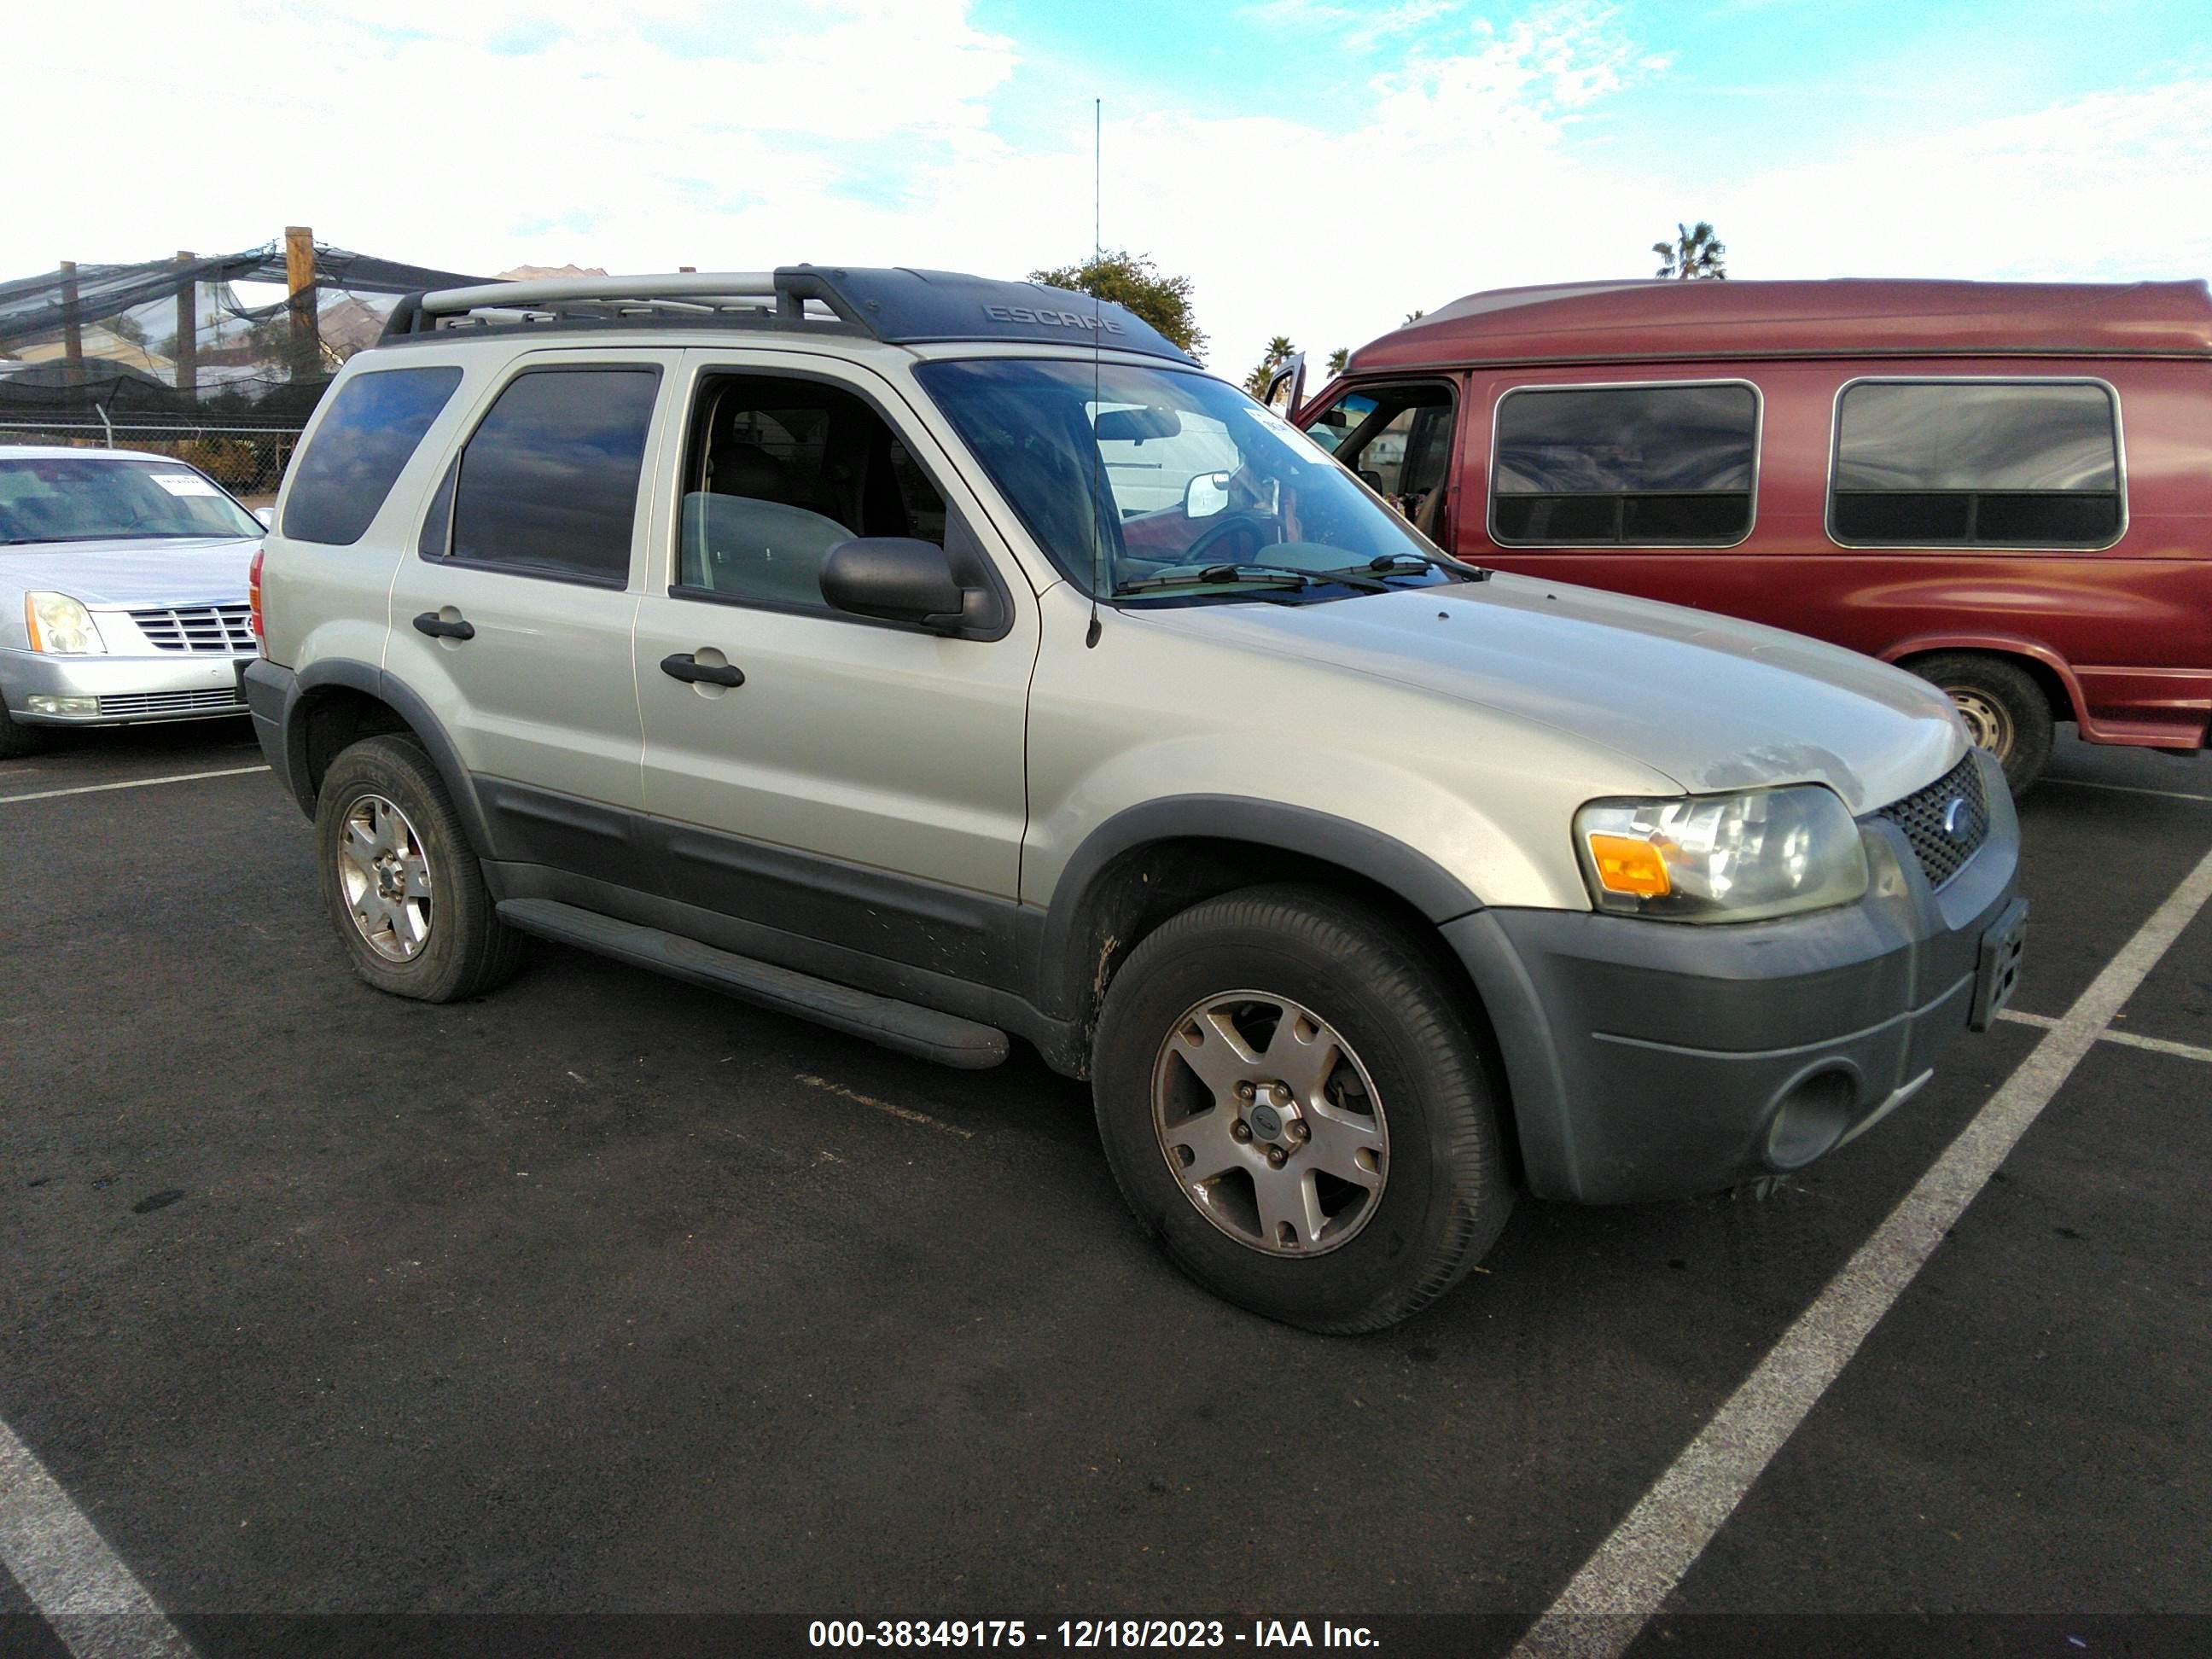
(1383, 1081)
(401, 882)
(2005, 710)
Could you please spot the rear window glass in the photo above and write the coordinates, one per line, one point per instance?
(373, 426)
(1967, 463)
(548, 482)
(1651, 465)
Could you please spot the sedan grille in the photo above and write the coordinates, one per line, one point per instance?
(1946, 822)
(138, 704)
(198, 627)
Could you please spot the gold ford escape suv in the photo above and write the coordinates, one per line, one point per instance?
(945, 659)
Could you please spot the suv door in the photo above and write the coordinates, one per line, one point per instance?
(511, 614)
(831, 776)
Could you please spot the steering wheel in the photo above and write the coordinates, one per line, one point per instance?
(1258, 526)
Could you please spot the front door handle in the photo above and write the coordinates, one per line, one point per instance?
(685, 667)
(437, 628)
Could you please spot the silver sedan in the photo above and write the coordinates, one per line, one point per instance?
(123, 596)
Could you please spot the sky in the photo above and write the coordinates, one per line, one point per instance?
(1317, 168)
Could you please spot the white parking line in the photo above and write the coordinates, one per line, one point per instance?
(2128, 789)
(2156, 1045)
(92, 1600)
(135, 783)
(1607, 1604)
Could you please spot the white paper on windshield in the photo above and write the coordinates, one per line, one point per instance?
(1288, 435)
(184, 483)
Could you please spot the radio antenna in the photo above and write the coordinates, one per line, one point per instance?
(1097, 317)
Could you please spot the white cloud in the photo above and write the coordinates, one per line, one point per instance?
(676, 131)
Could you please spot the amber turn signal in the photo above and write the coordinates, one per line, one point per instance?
(1625, 865)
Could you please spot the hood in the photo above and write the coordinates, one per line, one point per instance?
(1713, 702)
(122, 575)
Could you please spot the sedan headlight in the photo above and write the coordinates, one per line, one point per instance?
(1722, 858)
(60, 626)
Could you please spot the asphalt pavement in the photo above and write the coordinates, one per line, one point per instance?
(606, 1296)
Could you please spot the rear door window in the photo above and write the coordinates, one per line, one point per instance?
(371, 429)
(1977, 464)
(1663, 465)
(548, 483)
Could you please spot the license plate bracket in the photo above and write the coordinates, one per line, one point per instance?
(1998, 972)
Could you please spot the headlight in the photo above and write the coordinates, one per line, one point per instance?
(61, 627)
(1722, 858)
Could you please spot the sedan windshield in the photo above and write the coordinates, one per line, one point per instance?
(72, 498)
(1147, 484)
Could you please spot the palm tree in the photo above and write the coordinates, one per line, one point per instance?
(1413, 317)
(1279, 351)
(1694, 252)
(1338, 359)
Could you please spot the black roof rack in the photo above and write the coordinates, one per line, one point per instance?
(897, 305)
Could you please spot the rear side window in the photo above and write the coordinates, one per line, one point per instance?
(373, 425)
(1977, 463)
(548, 482)
(1669, 465)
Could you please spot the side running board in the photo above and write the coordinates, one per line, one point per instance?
(905, 1026)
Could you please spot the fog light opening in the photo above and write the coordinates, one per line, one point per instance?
(1810, 1118)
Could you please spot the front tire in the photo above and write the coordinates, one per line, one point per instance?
(17, 740)
(1294, 1106)
(2005, 710)
(401, 883)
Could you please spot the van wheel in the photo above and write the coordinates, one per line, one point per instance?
(2005, 710)
(1294, 1107)
(400, 880)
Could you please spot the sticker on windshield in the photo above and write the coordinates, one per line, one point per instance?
(1297, 441)
(184, 483)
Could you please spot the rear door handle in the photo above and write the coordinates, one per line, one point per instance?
(437, 628)
(685, 667)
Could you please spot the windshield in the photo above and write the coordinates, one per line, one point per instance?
(1201, 492)
(71, 498)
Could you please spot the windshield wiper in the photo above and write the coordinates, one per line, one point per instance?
(1264, 575)
(1395, 563)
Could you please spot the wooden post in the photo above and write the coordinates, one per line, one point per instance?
(300, 278)
(185, 353)
(72, 329)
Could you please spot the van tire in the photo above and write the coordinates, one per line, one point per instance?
(1445, 1192)
(466, 950)
(2005, 710)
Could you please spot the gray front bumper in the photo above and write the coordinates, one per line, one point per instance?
(173, 686)
(1650, 1059)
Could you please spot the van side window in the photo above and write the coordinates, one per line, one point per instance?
(548, 482)
(778, 471)
(1641, 466)
(1976, 463)
(371, 430)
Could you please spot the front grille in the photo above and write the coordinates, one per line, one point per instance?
(1942, 853)
(141, 703)
(198, 627)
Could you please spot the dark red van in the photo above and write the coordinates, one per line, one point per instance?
(2005, 487)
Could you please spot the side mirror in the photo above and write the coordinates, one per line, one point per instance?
(1372, 479)
(903, 580)
(1205, 495)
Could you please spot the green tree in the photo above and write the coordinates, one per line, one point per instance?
(1695, 252)
(1132, 280)
(1279, 351)
(1413, 317)
(1338, 359)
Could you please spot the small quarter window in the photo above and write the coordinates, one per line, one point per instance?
(1976, 463)
(548, 483)
(1639, 466)
(374, 426)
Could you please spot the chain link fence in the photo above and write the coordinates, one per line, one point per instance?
(249, 461)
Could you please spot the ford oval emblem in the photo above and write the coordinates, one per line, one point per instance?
(1954, 818)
